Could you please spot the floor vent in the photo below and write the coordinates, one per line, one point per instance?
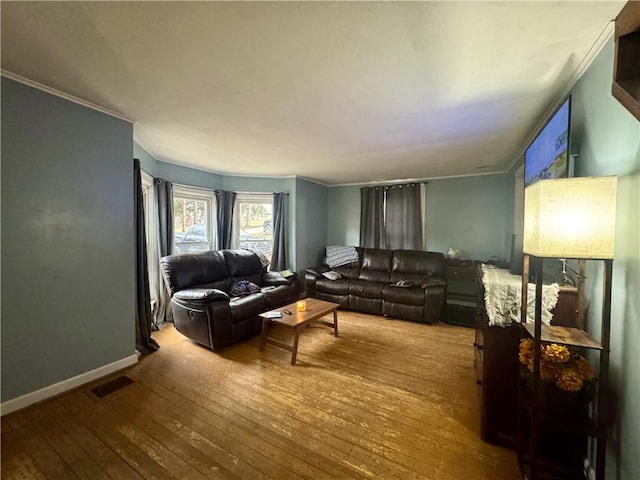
(111, 386)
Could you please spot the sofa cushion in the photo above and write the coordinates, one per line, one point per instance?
(417, 262)
(188, 270)
(278, 296)
(243, 264)
(333, 287)
(406, 296)
(351, 271)
(366, 289)
(243, 308)
(376, 265)
(201, 295)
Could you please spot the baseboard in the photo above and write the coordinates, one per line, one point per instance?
(57, 388)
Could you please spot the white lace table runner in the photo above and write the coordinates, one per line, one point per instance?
(502, 297)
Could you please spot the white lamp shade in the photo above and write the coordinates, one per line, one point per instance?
(571, 218)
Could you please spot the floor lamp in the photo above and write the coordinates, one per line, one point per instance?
(572, 218)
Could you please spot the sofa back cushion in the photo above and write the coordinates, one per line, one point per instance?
(244, 265)
(194, 269)
(416, 265)
(376, 265)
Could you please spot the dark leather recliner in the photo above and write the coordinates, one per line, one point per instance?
(367, 285)
(203, 308)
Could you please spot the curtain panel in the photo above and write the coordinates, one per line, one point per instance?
(372, 234)
(144, 317)
(164, 206)
(403, 217)
(225, 202)
(279, 252)
(391, 217)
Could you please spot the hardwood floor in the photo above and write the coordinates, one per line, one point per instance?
(388, 399)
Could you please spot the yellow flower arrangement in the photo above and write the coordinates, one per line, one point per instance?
(564, 367)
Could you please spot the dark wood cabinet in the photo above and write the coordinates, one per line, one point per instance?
(496, 365)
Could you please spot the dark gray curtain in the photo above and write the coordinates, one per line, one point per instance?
(144, 318)
(164, 196)
(164, 190)
(225, 201)
(279, 252)
(372, 217)
(403, 218)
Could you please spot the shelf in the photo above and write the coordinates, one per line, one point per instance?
(549, 470)
(626, 70)
(573, 423)
(565, 336)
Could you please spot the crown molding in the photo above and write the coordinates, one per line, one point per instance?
(66, 96)
(592, 53)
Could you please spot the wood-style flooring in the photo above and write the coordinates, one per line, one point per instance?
(388, 399)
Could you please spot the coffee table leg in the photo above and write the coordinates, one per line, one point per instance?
(335, 322)
(264, 334)
(294, 350)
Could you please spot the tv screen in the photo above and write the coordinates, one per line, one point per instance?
(548, 154)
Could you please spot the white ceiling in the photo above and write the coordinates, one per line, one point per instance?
(337, 92)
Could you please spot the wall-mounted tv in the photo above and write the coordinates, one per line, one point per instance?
(548, 155)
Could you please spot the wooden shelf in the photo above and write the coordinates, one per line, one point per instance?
(574, 423)
(565, 336)
(626, 68)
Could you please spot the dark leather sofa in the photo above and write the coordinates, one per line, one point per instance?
(204, 309)
(367, 285)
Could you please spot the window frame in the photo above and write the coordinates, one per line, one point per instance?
(199, 194)
(259, 198)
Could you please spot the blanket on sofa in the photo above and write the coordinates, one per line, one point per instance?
(337, 256)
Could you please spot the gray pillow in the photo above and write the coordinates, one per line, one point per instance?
(332, 275)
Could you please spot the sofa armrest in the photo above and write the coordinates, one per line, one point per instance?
(433, 282)
(317, 271)
(276, 278)
(201, 295)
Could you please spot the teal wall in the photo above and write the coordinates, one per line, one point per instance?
(67, 240)
(609, 139)
(471, 214)
(310, 222)
(148, 163)
(343, 205)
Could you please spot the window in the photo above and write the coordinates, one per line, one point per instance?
(254, 222)
(193, 220)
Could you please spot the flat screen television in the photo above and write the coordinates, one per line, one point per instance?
(548, 155)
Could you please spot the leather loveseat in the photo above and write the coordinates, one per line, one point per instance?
(204, 308)
(370, 284)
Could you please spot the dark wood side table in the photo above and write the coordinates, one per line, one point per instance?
(461, 300)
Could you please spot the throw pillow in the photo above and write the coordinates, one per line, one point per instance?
(243, 287)
(337, 256)
(404, 283)
(332, 275)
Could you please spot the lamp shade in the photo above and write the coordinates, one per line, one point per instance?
(571, 218)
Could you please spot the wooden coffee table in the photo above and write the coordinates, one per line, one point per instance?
(316, 309)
